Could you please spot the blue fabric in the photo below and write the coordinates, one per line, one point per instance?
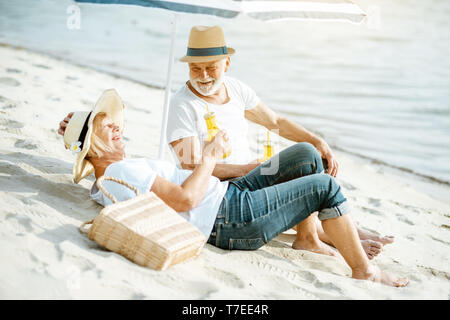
(258, 207)
(201, 52)
(231, 13)
(170, 6)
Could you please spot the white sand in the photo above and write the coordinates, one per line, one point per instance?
(43, 255)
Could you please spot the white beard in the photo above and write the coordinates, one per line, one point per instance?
(209, 89)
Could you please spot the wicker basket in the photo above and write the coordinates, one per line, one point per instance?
(145, 230)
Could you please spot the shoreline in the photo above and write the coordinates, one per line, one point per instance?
(437, 189)
(46, 257)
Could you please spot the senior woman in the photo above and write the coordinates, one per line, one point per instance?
(230, 215)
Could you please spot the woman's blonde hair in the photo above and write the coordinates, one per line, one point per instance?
(98, 147)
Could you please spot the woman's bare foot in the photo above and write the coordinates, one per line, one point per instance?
(374, 274)
(367, 235)
(372, 248)
(313, 244)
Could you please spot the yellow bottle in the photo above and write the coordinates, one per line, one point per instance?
(212, 128)
(268, 150)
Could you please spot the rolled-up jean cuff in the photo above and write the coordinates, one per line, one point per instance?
(334, 212)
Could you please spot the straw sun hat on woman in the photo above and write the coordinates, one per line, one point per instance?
(78, 136)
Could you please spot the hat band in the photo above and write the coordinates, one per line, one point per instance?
(84, 131)
(201, 52)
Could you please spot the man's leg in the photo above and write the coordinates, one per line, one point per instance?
(299, 160)
(256, 217)
(308, 239)
(371, 243)
(343, 234)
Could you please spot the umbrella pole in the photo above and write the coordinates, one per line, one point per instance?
(162, 140)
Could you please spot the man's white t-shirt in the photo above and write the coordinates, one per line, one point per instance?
(186, 118)
(142, 172)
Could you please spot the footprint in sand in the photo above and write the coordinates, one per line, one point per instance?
(409, 207)
(12, 124)
(375, 202)
(373, 211)
(42, 66)
(23, 222)
(227, 277)
(436, 273)
(12, 70)
(138, 296)
(404, 219)
(25, 144)
(6, 103)
(348, 186)
(439, 240)
(10, 82)
(86, 102)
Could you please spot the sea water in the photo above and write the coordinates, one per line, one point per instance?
(380, 91)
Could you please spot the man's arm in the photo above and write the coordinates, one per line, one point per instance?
(288, 129)
(189, 154)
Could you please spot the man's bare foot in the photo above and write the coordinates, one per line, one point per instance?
(367, 235)
(374, 274)
(313, 244)
(372, 248)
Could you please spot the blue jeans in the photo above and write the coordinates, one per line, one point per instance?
(257, 207)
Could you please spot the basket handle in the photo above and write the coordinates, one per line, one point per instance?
(109, 195)
(84, 230)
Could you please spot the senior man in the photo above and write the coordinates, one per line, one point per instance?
(233, 102)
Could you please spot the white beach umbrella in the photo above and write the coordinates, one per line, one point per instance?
(330, 10)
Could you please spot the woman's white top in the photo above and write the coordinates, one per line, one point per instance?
(142, 172)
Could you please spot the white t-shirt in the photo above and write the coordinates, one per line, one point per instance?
(186, 118)
(142, 172)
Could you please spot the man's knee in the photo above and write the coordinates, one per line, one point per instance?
(308, 151)
(324, 182)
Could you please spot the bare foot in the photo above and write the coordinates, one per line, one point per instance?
(372, 248)
(367, 235)
(374, 274)
(314, 245)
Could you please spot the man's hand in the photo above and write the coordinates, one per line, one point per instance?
(326, 153)
(63, 124)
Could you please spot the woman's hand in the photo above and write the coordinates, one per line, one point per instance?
(63, 124)
(218, 146)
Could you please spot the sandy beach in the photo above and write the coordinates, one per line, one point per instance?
(44, 256)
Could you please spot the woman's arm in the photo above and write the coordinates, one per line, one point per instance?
(187, 149)
(191, 192)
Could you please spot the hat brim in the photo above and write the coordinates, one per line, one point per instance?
(194, 59)
(112, 105)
